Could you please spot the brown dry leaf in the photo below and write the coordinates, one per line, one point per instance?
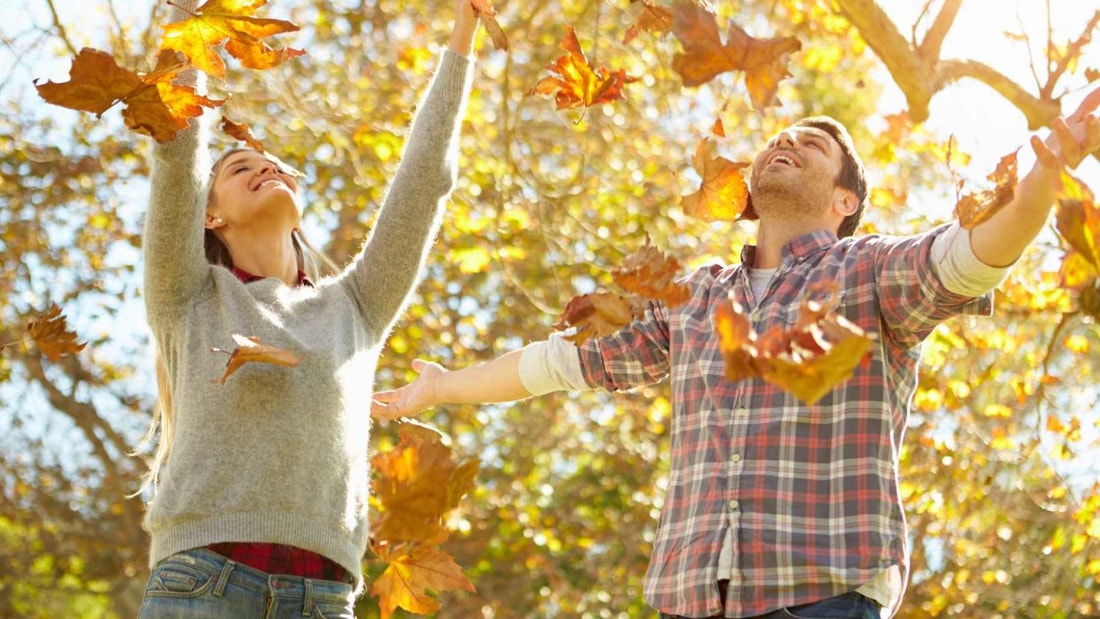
(723, 194)
(652, 274)
(705, 56)
(416, 483)
(1078, 221)
(414, 570)
(51, 334)
(974, 208)
(200, 37)
(241, 132)
(820, 352)
(577, 84)
(251, 350)
(485, 11)
(1092, 75)
(653, 18)
(598, 314)
(154, 106)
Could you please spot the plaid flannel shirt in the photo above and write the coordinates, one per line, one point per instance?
(811, 492)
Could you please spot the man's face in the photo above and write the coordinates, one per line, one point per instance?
(798, 168)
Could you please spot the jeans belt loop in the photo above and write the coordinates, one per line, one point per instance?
(307, 602)
(223, 578)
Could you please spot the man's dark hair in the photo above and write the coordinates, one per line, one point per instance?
(852, 176)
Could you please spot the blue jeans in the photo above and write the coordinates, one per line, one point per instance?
(200, 583)
(847, 606)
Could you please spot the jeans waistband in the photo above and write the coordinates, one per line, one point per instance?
(231, 572)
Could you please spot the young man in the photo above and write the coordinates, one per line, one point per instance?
(774, 508)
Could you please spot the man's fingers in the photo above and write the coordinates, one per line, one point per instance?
(1043, 153)
(1088, 105)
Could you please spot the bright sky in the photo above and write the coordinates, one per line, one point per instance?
(984, 124)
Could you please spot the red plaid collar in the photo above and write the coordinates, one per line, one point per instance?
(247, 278)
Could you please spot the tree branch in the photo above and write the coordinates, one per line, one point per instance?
(933, 39)
(911, 73)
(1039, 112)
(1073, 52)
(61, 28)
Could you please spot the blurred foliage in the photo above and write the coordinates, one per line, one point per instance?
(571, 485)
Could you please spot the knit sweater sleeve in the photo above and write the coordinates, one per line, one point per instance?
(175, 265)
(384, 273)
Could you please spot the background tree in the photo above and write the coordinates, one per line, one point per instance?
(1000, 494)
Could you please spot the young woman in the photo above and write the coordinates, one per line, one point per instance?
(261, 483)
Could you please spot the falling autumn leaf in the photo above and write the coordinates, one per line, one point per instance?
(705, 56)
(652, 18)
(723, 194)
(251, 350)
(974, 208)
(718, 129)
(485, 11)
(818, 353)
(577, 84)
(241, 132)
(598, 314)
(1078, 222)
(217, 21)
(154, 106)
(416, 483)
(52, 336)
(415, 569)
(650, 273)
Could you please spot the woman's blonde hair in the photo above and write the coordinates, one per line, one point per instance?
(311, 261)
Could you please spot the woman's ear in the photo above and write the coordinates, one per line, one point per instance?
(213, 221)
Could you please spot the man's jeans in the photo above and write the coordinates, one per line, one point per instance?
(201, 584)
(848, 606)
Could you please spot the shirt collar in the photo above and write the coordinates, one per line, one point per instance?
(246, 277)
(797, 248)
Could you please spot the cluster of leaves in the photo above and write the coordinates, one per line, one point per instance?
(50, 332)
(156, 103)
(416, 484)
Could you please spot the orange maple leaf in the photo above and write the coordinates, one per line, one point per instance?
(821, 351)
(577, 84)
(706, 56)
(154, 106)
(723, 193)
(653, 18)
(598, 314)
(251, 350)
(1078, 222)
(52, 335)
(416, 483)
(974, 208)
(241, 132)
(488, 15)
(217, 21)
(651, 274)
(414, 570)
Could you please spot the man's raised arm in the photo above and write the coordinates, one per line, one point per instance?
(1001, 239)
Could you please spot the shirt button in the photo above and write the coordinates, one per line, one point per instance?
(755, 316)
(733, 504)
(735, 457)
(740, 412)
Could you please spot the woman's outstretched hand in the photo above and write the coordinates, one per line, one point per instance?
(462, 37)
(413, 398)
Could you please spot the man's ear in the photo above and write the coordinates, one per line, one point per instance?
(213, 221)
(844, 201)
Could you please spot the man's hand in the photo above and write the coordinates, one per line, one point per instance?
(1073, 138)
(413, 398)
